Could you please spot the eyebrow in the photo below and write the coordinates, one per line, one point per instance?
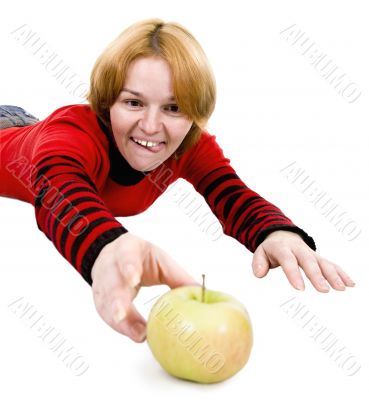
(141, 95)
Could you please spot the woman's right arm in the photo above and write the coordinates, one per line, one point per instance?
(73, 216)
(69, 211)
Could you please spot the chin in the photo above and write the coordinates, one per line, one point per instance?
(147, 166)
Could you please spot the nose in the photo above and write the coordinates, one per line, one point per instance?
(150, 123)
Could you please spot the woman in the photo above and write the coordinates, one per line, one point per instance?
(151, 94)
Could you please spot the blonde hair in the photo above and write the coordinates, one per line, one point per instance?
(194, 87)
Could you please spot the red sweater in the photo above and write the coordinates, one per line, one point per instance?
(69, 168)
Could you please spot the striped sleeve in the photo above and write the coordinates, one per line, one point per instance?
(67, 205)
(243, 213)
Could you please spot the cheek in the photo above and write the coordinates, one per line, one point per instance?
(120, 121)
(180, 130)
(114, 118)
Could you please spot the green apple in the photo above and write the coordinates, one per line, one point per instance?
(199, 335)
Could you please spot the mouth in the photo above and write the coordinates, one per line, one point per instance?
(153, 147)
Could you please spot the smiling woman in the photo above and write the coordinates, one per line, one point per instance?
(146, 129)
(191, 84)
(151, 94)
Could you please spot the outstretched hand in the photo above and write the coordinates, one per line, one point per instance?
(119, 271)
(288, 250)
(129, 262)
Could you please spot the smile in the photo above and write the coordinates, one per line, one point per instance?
(146, 143)
(153, 147)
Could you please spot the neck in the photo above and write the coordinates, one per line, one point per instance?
(120, 170)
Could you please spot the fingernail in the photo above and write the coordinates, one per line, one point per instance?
(300, 286)
(324, 286)
(340, 284)
(119, 314)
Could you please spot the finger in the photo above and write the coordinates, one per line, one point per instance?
(132, 325)
(335, 275)
(330, 273)
(313, 270)
(319, 271)
(124, 316)
(345, 277)
(260, 263)
(111, 310)
(291, 268)
(117, 310)
(172, 274)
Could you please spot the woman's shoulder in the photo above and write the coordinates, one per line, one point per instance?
(71, 130)
(202, 157)
(74, 120)
(206, 146)
(79, 112)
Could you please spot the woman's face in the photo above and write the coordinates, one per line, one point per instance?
(147, 124)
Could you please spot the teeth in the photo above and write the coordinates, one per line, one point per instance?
(145, 143)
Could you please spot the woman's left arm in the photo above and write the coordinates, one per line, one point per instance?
(256, 223)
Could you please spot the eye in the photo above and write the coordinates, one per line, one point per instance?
(173, 108)
(132, 103)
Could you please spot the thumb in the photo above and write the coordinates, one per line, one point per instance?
(260, 263)
(172, 274)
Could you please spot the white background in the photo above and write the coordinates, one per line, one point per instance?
(273, 109)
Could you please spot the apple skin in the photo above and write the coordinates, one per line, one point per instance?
(205, 342)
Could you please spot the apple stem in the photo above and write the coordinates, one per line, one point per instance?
(203, 288)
